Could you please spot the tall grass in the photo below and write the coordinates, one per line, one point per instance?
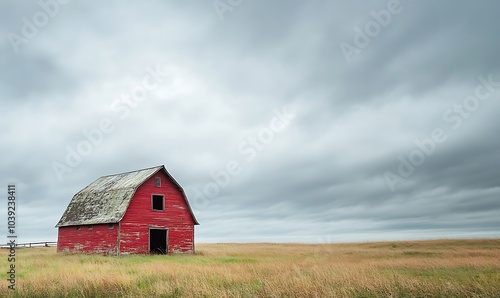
(444, 268)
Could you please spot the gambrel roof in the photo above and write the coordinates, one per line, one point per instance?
(106, 200)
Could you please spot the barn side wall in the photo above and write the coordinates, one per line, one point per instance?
(99, 239)
(134, 227)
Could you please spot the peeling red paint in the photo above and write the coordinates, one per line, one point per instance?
(140, 216)
(100, 239)
(131, 234)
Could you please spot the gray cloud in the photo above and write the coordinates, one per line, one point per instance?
(319, 179)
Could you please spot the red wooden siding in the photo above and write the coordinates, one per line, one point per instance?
(100, 239)
(139, 217)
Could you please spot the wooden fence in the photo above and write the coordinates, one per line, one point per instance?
(32, 244)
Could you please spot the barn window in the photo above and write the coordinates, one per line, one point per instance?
(157, 181)
(111, 226)
(157, 202)
(78, 228)
(91, 227)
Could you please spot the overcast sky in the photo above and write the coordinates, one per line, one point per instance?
(303, 121)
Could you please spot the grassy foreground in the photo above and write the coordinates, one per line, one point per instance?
(442, 268)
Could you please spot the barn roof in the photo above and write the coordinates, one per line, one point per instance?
(106, 200)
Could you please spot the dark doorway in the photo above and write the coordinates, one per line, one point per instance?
(158, 241)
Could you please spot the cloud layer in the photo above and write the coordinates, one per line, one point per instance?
(275, 132)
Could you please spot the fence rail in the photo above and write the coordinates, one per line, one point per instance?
(32, 244)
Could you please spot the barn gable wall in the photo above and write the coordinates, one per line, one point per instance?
(139, 217)
(99, 239)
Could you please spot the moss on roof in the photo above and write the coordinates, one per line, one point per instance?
(106, 200)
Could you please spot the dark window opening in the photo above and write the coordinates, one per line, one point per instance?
(90, 227)
(158, 241)
(78, 228)
(157, 202)
(111, 226)
(157, 181)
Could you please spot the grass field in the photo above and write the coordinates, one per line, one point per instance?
(440, 268)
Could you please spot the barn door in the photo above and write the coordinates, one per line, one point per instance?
(158, 243)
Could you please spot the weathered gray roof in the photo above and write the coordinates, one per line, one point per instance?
(106, 200)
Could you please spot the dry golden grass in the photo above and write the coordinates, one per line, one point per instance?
(443, 268)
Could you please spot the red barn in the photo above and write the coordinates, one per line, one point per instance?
(139, 212)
